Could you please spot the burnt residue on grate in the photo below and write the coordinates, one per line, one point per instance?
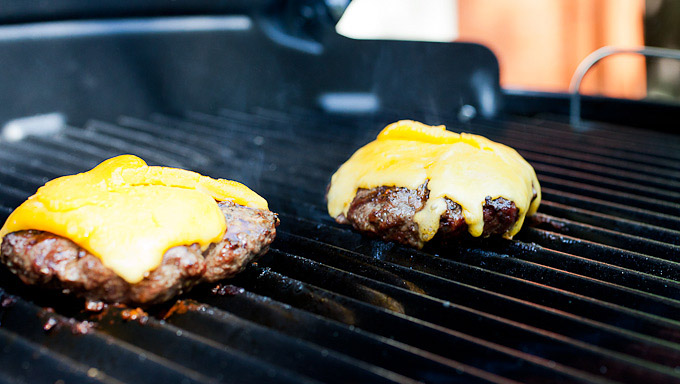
(52, 321)
(589, 291)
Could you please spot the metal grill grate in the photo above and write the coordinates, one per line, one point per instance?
(589, 292)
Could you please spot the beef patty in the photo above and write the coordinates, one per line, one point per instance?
(43, 258)
(387, 213)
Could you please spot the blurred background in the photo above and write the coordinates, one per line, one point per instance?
(539, 43)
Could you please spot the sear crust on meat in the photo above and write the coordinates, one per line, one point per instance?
(387, 213)
(43, 258)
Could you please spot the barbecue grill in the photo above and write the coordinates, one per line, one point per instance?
(268, 94)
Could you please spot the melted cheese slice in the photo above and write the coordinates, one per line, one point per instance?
(129, 214)
(463, 167)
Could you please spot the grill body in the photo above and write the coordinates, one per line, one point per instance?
(588, 291)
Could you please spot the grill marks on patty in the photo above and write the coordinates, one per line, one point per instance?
(43, 258)
(387, 213)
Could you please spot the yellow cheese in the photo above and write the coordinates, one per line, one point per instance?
(463, 167)
(129, 214)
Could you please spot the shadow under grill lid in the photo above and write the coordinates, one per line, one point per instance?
(588, 292)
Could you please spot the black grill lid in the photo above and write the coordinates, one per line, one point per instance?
(588, 292)
(137, 66)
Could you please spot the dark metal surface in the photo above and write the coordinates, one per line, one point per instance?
(588, 292)
(18, 11)
(105, 68)
(646, 114)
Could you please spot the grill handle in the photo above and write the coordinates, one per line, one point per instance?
(596, 56)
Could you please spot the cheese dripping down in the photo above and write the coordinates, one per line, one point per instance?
(463, 167)
(128, 214)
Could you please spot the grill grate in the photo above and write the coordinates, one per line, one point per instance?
(589, 292)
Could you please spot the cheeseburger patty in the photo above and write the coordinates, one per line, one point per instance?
(43, 258)
(387, 213)
(417, 183)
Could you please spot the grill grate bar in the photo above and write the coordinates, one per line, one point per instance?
(172, 133)
(208, 355)
(594, 169)
(280, 133)
(473, 297)
(541, 139)
(651, 211)
(112, 357)
(590, 268)
(624, 186)
(601, 131)
(5, 211)
(530, 148)
(613, 223)
(455, 270)
(66, 140)
(582, 268)
(29, 164)
(664, 150)
(664, 272)
(265, 343)
(146, 339)
(663, 194)
(351, 128)
(552, 160)
(237, 142)
(661, 205)
(558, 157)
(598, 219)
(117, 146)
(53, 164)
(614, 137)
(605, 236)
(639, 271)
(613, 209)
(268, 344)
(278, 146)
(577, 149)
(567, 280)
(601, 235)
(613, 196)
(635, 228)
(302, 183)
(401, 358)
(494, 329)
(225, 161)
(12, 196)
(597, 288)
(51, 145)
(259, 172)
(285, 152)
(595, 139)
(185, 154)
(58, 157)
(659, 267)
(561, 133)
(624, 166)
(11, 176)
(22, 361)
(616, 275)
(391, 324)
